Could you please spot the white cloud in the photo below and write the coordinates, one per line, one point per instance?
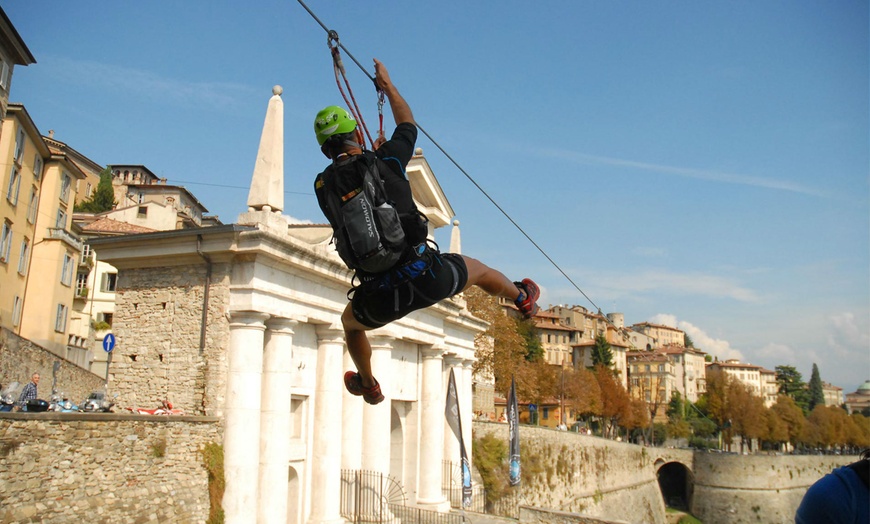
(702, 174)
(714, 346)
(774, 352)
(147, 84)
(691, 284)
(846, 337)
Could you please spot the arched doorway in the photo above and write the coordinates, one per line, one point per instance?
(677, 485)
(397, 446)
(294, 505)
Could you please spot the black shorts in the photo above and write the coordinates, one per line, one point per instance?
(375, 306)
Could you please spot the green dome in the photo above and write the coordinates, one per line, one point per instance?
(864, 388)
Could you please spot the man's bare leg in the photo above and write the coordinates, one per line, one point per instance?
(358, 346)
(489, 280)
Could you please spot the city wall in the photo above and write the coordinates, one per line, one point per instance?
(103, 468)
(21, 358)
(591, 476)
(732, 488)
(599, 478)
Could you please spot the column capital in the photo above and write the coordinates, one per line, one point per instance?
(432, 352)
(328, 333)
(247, 319)
(281, 325)
(383, 342)
(468, 363)
(452, 359)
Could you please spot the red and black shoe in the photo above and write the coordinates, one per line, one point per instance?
(353, 383)
(527, 302)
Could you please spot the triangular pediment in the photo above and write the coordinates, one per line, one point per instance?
(428, 195)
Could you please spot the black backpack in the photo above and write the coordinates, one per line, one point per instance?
(367, 230)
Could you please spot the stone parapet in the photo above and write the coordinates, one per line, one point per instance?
(74, 468)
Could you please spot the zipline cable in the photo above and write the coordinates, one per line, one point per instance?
(455, 163)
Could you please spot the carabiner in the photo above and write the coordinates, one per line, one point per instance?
(332, 35)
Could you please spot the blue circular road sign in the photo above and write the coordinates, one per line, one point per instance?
(109, 343)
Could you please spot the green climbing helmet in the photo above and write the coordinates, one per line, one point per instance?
(332, 120)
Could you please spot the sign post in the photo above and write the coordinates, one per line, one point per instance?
(108, 346)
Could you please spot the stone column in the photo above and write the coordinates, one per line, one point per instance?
(376, 419)
(242, 411)
(275, 423)
(326, 443)
(431, 431)
(351, 423)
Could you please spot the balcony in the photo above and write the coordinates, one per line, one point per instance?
(87, 260)
(57, 233)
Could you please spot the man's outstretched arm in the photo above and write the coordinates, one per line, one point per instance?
(401, 110)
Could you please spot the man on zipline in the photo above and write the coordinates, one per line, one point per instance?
(422, 276)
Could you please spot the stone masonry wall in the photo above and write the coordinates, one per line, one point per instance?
(21, 358)
(103, 468)
(599, 478)
(593, 477)
(755, 488)
(158, 319)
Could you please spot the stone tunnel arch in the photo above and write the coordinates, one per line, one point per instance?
(677, 485)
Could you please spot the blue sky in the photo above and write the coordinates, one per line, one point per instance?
(698, 164)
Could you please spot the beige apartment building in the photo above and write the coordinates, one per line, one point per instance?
(662, 335)
(23, 153)
(833, 394)
(639, 341)
(37, 240)
(653, 379)
(13, 51)
(556, 338)
(137, 189)
(760, 381)
(690, 370)
(588, 324)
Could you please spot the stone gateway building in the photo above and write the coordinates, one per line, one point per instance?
(242, 322)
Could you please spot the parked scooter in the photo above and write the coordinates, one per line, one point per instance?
(7, 397)
(60, 403)
(98, 403)
(36, 405)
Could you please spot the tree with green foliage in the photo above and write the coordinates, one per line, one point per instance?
(616, 404)
(816, 393)
(602, 353)
(490, 456)
(582, 392)
(687, 341)
(534, 347)
(791, 415)
(103, 199)
(676, 407)
(500, 350)
(790, 382)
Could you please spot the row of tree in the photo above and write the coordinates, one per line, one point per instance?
(511, 348)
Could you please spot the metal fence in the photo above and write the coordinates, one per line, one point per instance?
(451, 487)
(372, 497)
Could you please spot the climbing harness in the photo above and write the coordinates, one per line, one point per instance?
(334, 44)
